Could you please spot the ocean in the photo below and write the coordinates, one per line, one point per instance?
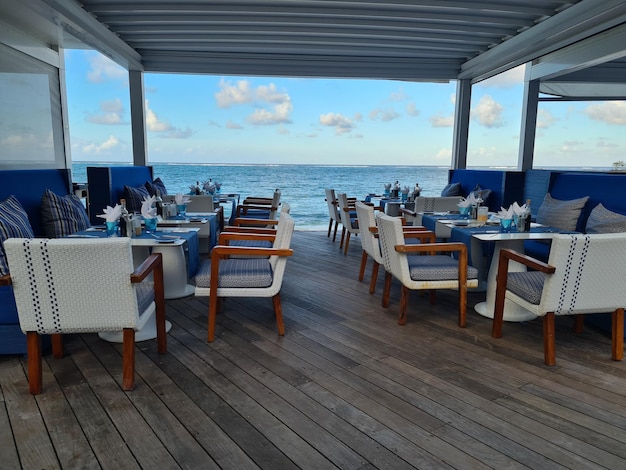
(301, 185)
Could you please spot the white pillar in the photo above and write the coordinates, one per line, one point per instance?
(138, 118)
(461, 123)
(529, 125)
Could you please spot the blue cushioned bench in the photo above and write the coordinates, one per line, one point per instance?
(506, 186)
(27, 186)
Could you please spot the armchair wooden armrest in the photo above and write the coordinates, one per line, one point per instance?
(225, 237)
(222, 251)
(501, 282)
(243, 209)
(237, 229)
(425, 236)
(152, 264)
(408, 212)
(5, 280)
(243, 221)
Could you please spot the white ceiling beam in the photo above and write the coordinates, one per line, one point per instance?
(576, 23)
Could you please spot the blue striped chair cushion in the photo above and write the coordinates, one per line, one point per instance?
(134, 197)
(14, 223)
(250, 243)
(528, 285)
(437, 268)
(62, 215)
(238, 272)
(145, 295)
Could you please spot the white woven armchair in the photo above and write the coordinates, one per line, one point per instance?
(251, 274)
(83, 286)
(430, 270)
(585, 274)
(333, 212)
(347, 214)
(369, 240)
(259, 207)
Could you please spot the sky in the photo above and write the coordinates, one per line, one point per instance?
(268, 120)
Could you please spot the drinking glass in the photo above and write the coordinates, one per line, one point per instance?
(112, 229)
(464, 211)
(151, 224)
(505, 225)
(181, 209)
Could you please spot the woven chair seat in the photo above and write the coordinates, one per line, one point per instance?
(237, 273)
(436, 268)
(527, 285)
(145, 295)
(251, 243)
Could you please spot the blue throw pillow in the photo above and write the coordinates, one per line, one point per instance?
(480, 193)
(156, 188)
(62, 215)
(134, 197)
(14, 223)
(452, 189)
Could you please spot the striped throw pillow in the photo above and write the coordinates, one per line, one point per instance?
(602, 220)
(62, 215)
(14, 223)
(134, 197)
(560, 214)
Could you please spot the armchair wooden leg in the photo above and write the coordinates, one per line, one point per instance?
(57, 345)
(213, 305)
(330, 227)
(404, 301)
(278, 312)
(386, 290)
(33, 347)
(128, 359)
(579, 324)
(343, 235)
(548, 339)
(432, 296)
(345, 248)
(363, 264)
(374, 277)
(617, 334)
(498, 311)
(463, 304)
(335, 231)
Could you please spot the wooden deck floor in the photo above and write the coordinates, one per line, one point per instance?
(346, 387)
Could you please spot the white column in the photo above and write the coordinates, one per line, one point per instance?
(461, 123)
(529, 124)
(138, 118)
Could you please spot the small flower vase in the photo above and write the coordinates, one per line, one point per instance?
(112, 229)
(151, 224)
(464, 211)
(405, 197)
(181, 209)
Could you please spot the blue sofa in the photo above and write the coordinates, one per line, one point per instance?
(506, 186)
(27, 186)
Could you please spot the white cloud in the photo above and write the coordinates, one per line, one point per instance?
(442, 121)
(444, 154)
(233, 125)
(111, 113)
(341, 123)
(278, 115)
(104, 69)
(111, 143)
(164, 128)
(384, 115)
(233, 94)
(399, 95)
(488, 112)
(544, 119)
(609, 112)
(507, 79)
(412, 110)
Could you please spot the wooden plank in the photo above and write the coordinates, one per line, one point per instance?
(8, 453)
(32, 443)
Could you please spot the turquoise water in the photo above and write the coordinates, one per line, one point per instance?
(301, 185)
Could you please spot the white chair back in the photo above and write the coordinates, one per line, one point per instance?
(73, 285)
(369, 242)
(331, 202)
(434, 204)
(589, 276)
(390, 233)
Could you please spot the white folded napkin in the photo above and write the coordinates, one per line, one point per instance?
(180, 198)
(465, 202)
(147, 211)
(505, 213)
(519, 210)
(112, 214)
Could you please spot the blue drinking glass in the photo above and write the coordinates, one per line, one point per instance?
(151, 224)
(112, 228)
(505, 225)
